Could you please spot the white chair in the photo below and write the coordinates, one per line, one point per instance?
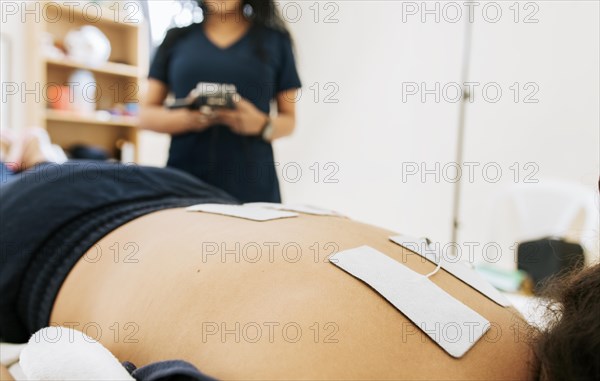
(524, 212)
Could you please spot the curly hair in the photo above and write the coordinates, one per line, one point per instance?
(569, 348)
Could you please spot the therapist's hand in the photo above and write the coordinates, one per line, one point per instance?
(246, 119)
(194, 120)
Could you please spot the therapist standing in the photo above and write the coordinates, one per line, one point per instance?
(239, 42)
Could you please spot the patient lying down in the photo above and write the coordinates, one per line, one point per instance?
(109, 250)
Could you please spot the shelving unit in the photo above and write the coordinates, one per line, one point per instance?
(111, 68)
(118, 81)
(71, 117)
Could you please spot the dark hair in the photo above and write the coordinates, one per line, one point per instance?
(569, 348)
(262, 13)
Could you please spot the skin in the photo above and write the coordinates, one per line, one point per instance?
(27, 149)
(4, 374)
(164, 287)
(172, 303)
(223, 25)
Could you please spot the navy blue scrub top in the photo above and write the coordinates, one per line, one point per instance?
(241, 165)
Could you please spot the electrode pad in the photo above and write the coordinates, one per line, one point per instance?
(451, 324)
(242, 211)
(458, 269)
(306, 209)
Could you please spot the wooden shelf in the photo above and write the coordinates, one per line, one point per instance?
(72, 117)
(117, 81)
(111, 68)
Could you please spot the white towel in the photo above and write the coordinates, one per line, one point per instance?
(9, 357)
(58, 353)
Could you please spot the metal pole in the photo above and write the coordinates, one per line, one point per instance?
(461, 127)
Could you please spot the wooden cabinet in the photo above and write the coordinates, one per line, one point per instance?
(117, 82)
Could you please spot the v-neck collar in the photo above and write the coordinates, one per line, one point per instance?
(228, 47)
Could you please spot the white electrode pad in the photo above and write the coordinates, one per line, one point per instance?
(242, 211)
(451, 324)
(458, 269)
(306, 209)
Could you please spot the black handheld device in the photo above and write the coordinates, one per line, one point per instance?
(205, 94)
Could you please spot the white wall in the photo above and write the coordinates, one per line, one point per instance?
(370, 133)
(369, 53)
(559, 135)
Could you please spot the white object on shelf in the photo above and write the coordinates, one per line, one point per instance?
(88, 45)
(128, 152)
(83, 90)
(49, 49)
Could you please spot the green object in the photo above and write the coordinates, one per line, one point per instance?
(505, 280)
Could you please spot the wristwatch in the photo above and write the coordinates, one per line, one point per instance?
(267, 130)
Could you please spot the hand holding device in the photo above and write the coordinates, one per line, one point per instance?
(208, 96)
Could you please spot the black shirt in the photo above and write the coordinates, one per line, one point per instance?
(51, 214)
(260, 64)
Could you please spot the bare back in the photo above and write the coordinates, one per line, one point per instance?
(247, 300)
